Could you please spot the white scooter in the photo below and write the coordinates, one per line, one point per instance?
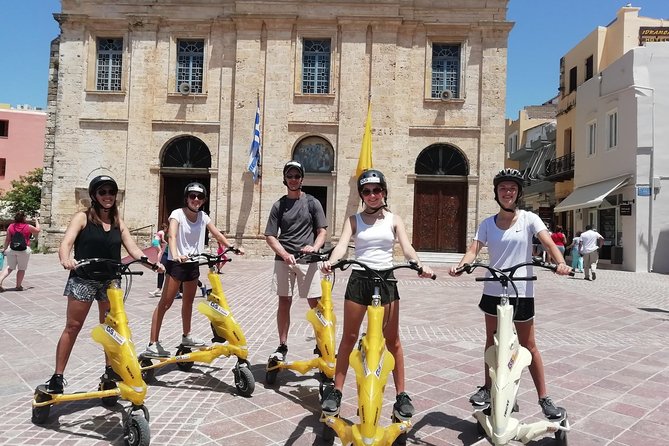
(507, 359)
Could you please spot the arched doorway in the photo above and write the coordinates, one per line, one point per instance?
(440, 200)
(317, 157)
(184, 159)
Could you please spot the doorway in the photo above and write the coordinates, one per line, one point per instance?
(320, 193)
(440, 217)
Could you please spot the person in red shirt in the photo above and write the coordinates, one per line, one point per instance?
(18, 259)
(559, 239)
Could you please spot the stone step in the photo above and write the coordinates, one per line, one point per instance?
(440, 257)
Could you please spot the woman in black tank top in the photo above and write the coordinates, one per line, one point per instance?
(98, 232)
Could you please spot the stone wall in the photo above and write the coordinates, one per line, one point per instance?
(252, 50)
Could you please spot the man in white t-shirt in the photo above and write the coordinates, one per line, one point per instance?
(591, 240)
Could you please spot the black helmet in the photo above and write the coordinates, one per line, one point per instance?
(195, 187)
(293, 165)
(372, 177)
(509, 174)
(99, 181)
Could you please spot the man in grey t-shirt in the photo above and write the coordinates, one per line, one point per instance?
(296, 224)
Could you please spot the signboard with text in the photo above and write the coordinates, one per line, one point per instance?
(626, 209)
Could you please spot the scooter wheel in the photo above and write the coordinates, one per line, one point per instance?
(328, 435)
(561, 436)
(149, 374)
(244, 381)
(480, 429)
(401, 440)
(270, 377)
(184, 366)
(41, 414)
(108, 401)
(136, 430)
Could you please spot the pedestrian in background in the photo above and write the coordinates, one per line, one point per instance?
(591, 241)
(559, 239)
(160, 243)
(16, 253)
(576, 257)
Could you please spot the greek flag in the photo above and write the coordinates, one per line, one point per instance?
(254, 153)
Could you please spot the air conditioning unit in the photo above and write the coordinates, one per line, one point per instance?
(446, 95)
(184, 88)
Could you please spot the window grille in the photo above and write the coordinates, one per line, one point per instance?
(445, 70)
(316, 66)
(190, 64)
(109, 64)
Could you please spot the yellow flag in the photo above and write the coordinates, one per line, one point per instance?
(365, 160)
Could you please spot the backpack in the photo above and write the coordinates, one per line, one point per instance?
(18, 241)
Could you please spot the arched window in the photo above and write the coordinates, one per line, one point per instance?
(187, 152)
(315, 154)
(442, 159)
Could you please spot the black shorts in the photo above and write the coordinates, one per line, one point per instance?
(183, 272)
(360, 288)
(523, 312)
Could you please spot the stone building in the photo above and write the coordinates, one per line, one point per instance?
(160, 93)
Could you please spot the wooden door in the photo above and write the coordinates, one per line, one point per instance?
(440, 217)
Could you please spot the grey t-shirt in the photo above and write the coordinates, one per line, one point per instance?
(294, 222)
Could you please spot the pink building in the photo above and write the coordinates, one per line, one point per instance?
(21, 143)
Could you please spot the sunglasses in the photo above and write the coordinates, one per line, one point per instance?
(293, 177)
(375, 191)
(196, 196)
(105, 192)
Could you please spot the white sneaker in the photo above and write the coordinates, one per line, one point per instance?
(156, 293)
(189, 341)
(156, 350)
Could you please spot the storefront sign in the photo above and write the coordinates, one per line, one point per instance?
(626, 209)
(653, 34)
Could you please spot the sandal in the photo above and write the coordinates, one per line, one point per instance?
(19, 288)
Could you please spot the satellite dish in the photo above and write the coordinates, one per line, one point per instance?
(446, 95)
(184, 88)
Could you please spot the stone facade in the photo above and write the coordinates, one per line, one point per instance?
(253, 51)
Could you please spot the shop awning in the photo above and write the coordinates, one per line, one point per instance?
(591, 195)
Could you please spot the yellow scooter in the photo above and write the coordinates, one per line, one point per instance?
(115, 337)
(324, 323)
(228, 337)
(372, 363)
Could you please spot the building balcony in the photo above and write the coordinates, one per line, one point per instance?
(560, 169)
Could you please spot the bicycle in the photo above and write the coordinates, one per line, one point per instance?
(324, 322)
(506, 367)
(372, 363)
(228, 337)
(116, 339)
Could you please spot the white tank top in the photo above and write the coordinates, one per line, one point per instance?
(374, 243)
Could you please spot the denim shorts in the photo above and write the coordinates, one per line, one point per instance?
(523, 311)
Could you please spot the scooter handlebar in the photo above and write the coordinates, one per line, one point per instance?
(345, 263)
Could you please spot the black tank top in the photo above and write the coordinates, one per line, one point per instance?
(94, 242)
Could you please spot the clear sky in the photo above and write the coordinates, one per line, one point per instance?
(544, 31)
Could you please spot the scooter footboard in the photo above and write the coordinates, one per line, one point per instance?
(530, 431)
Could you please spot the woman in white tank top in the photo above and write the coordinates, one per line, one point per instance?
(374, 231)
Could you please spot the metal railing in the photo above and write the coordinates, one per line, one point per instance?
(560, 168)
(139, 232)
